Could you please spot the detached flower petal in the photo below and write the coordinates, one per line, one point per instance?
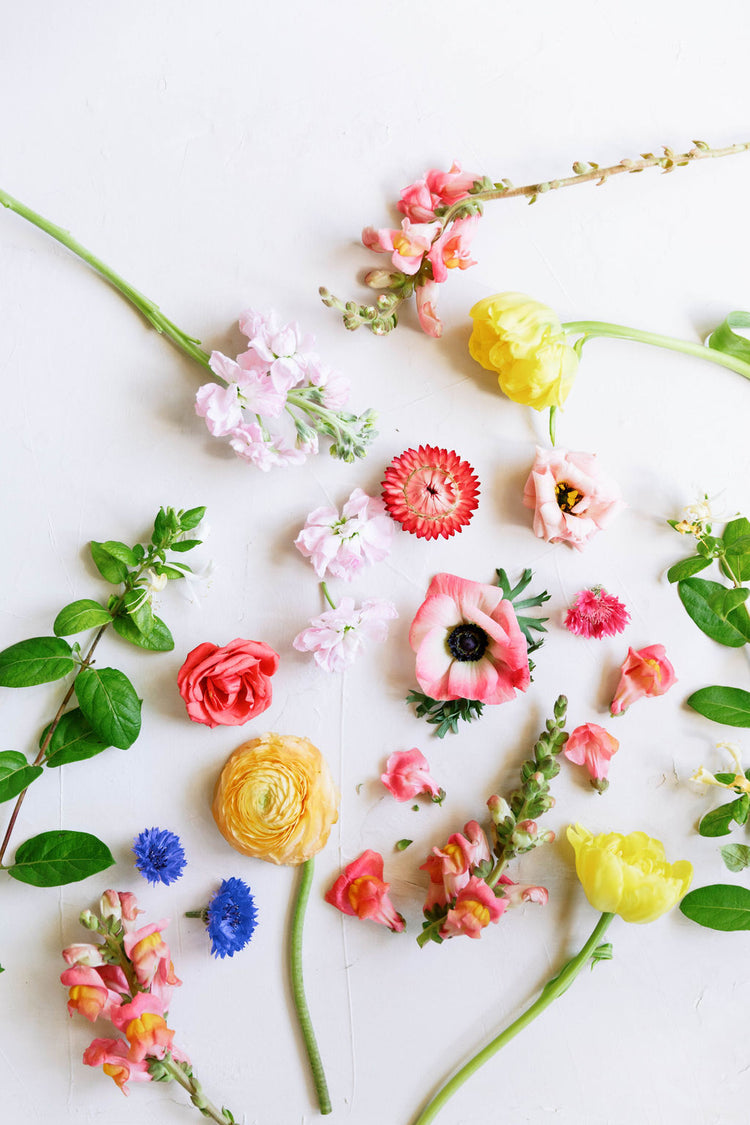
(407, 774)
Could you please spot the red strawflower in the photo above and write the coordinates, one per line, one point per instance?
(430, 491)
(595, 613)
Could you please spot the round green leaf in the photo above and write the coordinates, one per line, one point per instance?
(53, 859)
(72, 741)
(709, 604)
(110, 567)
(109, 701)
(158, 639)
(84, 614)
(36, 661)
(15, 774)
(719, 907)
(727, 705)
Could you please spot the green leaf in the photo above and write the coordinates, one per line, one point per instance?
(53, 859)
(740, 619)
(109, 701)
(84, 614)
(39, 660)
(119, 551)
(72, 741)
(737, 549)
(402, 845)
(183, 545)
(719, 907)
(719, 821)
(138, 608)
(687, 567)
(727, 705)
(709, 604)
(159, 639)
(736, 856)
(15, 774)
(191, 518)
(724, 339)
(109, 566)
(170, 571)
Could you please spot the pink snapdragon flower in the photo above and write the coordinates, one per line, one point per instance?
(468, 642)
(361, 892)
(429, 320)
(451, 250)
(450, 867)
(120, 905)
(475, 907)
(595, 613)
(570, 496)
(419, 200)
(645, 672)
(592, 746)
(407, 246)
(149, 954)
(88, 993)
(407, 774)
(336, 636)
(112, 1055)
(342, 545)
(517, 894)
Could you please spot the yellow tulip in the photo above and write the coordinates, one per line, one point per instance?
(275, 799)
(523, 342)
(628, 875)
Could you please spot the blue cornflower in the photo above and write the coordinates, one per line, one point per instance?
(159, 855)
(230, 918)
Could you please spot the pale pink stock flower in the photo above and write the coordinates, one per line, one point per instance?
(251, 444)
(277, 348)
(429, 320)
(592, 746)
(468, 642)
(256, 390)
(595, 613)
(645, 672)
(475, 907)
(407, 774)
(407, 246)
(451, 249)
(570, 496)
(333, 386)
(360, 891)
(342, 545)
(336, 636)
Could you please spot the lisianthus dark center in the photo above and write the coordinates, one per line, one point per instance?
(467, 642)
(567, 496)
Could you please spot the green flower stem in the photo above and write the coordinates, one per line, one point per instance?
(146, 307)
(193, 1087)
(327, 596)
(589, 329)
(552, 989)
(298, 986)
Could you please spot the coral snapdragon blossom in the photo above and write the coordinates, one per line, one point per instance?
(595, 613)
(361, 892)
(407, 246)
(341, 545)
(336, 636)
(570, 496)
(645, 672)
(407, 774)
(436, 189)
(430, 491)
(450, 867)
(468, 643)
(476, 905)
(592, 746)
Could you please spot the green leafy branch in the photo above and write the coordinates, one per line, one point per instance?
(445, 714)
(109, 709)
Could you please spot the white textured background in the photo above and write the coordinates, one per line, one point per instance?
(229, 154)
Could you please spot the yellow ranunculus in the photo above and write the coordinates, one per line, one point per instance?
(628, 875)
(523, 342)
(275, 799)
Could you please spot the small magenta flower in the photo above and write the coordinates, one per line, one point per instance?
(159, 855)
(595, 613)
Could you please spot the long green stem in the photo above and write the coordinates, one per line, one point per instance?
(298, 986)
(146, 307)
(191, 1084)
(589, 329)
(552, 989)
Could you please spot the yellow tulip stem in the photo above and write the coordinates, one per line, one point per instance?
(298, 986)
(552, 989)
(589, 329)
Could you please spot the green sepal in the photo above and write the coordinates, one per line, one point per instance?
(80, 615)
(39, 660)
(727, 705)
(73, 740)
(53, 859)
(686, 568)
(110, 703)
(718, 907)
(710, 605)
(158, 639)
(15, 774)
(111, 568)
(724, 339)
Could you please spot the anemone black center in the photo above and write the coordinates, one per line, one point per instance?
(567, 496)
(467, 642)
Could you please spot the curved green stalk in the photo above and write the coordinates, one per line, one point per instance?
(147, 308)
(589, 329)
(298, 986)
(552, 989)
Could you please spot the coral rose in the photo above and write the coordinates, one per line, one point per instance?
(275, 799)
(227, 686)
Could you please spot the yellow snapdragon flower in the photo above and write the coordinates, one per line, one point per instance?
(523, 341)
(628, 875)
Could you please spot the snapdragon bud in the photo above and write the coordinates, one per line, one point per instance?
(499, 809)
(88, 920)
(525, 834)
(381, 279)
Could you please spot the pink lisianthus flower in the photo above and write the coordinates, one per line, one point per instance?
(407, 246)
(112, 1056)
(342, 545)
(451, 249)
(475, 907)
(570, 496)
(407, 774)
(450, 867)
(468, 642)
(361, 891)
(595, 613)
(645, 672)
(336, 636)
(429, 320)
(592, 746)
